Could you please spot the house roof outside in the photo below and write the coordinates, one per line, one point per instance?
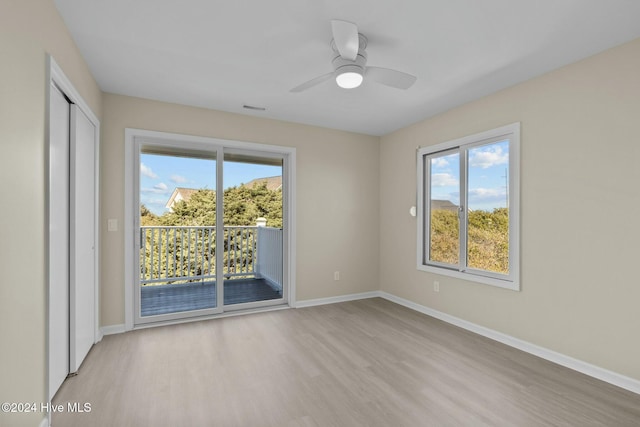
(273, 182)
(445, 205)
(180, 193)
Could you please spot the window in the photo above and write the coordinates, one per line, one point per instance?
(468, 198)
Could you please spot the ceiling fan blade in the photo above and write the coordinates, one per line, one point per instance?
(345, 36)
(392, 78)
(311, 83)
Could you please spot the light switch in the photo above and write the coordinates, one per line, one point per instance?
(112, 225)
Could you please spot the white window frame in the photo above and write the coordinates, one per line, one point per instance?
(131, 211)
(462, 271)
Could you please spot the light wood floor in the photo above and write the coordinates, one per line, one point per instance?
(362, 363)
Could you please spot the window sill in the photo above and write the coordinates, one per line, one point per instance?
(513, 285)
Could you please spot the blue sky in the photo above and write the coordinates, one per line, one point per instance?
(160, 175)
(488, 165)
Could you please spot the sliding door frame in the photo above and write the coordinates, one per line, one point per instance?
(285, 227)
(186, 148)
(137, 138)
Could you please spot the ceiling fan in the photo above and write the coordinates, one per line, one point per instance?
(350, 63)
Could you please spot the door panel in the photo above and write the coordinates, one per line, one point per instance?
(58, 241)
(177, 234)
(82, 277)
(253, 230)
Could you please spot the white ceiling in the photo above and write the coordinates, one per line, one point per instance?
(225, 54)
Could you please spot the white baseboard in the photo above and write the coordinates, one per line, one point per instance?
(333, 300)
(605, 375)
(112, 329)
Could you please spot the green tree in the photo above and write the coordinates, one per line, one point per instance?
(200, 209)
(147, 217)
(487, 242)
(191, 252)
(445, 243)
(242, 207)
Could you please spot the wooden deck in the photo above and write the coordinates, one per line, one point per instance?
(163, 299)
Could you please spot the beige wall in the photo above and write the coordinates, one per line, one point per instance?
(579, 202)
(580, 206)
(28, 29)
(336, 201)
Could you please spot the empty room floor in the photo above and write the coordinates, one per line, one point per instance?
(362, 363)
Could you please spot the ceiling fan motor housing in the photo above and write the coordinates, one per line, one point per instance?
(342, 65)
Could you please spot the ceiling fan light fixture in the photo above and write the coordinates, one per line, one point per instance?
(349, 80)
(349, 77)
(350, 65)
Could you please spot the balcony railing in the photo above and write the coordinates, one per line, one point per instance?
(186, 254)
(269, 265)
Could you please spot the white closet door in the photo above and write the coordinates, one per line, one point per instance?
(83, 268)
(58, 241)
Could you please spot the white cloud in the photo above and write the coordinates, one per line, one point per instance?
(443, 180)
(486, 192)
(178, 179)
(439, 162)
(494, 196)
(487, 157)
(160, 188)
(146, 171)
(156, 201)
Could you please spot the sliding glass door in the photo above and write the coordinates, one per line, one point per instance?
(211, 230)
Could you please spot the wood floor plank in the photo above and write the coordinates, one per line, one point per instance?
(361, 363)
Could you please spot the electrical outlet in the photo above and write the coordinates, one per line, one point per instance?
(336, 275)
(436, 286)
